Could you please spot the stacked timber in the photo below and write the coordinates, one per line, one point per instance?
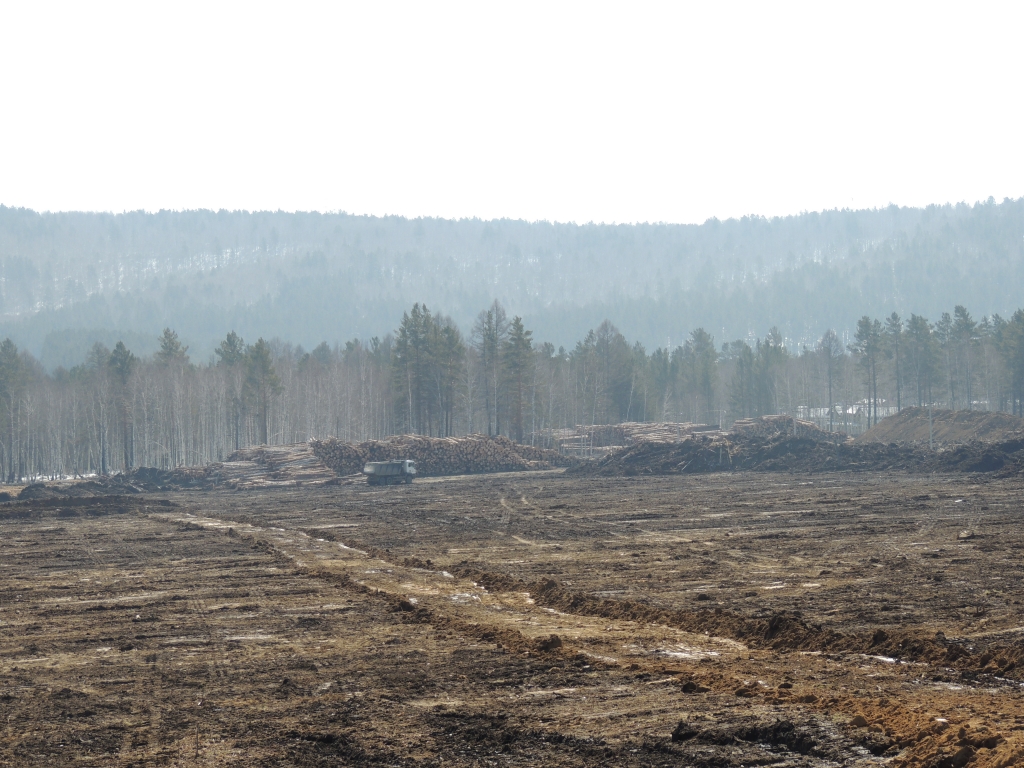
(597, 440)
(438, 455)
(769, 427)
(267, 466)
(663, 432)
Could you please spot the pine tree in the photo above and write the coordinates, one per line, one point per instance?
(700, 372)
(171, 350)
(412, 367)
(489, 334)
(231, 352)
(770, 359)
(868, 345)
(612, 361)
(122, 363)
(518, 360)
(262, 383)
(964, 334)
(922, 356)
(448, 358)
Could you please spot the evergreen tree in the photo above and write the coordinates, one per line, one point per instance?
(770, 359)
(231, 352)
(172, 429)
(449, 357)
(122, 363)
(639, 384)
(413, 367)
(964, 334)
(612, 360)
(922, 356)
(700, 373)
(262, 383)
(518, 360)
(868, 346)
(171, 350)
(489, 334)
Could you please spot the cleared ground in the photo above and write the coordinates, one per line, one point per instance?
(524, 619)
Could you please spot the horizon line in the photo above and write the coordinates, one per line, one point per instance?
(553, 222)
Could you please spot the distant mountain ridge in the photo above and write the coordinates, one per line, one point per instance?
(309, 277)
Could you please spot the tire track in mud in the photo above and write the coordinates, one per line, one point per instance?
(778, 632)
(397, 601)
(926, 742)
(910, 732)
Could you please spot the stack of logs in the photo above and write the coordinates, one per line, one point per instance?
(271, 465)
(769, 427)
(438, 455)
(597, 440)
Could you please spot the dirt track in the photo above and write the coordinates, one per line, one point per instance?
(534, 618)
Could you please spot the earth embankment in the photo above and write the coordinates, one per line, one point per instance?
(811, 450)
(915, 425)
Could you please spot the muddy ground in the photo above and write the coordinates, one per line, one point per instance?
(526, 619)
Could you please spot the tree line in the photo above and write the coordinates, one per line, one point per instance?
(69, 279)
(118, 410)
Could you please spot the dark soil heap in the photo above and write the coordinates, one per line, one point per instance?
(770, 446)
(140, 480)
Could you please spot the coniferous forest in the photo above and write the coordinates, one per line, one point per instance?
(174, 338)
(68, 280)
(119, 410)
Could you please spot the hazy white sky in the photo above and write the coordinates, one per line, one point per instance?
(572, 112)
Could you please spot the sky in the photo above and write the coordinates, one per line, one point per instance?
(624, 112)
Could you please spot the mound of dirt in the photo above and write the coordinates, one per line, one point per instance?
(947, 427)
(805, 453)
(140, 480)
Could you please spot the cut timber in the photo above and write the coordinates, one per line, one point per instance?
(272, 465)
(776, 425)
(439, 455)
(597, 440)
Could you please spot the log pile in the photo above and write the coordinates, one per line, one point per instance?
(664, 432)
(595, 441)
(438, 455)
(267, 466)
(768, 427)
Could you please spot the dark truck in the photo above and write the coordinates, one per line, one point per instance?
(390, 472)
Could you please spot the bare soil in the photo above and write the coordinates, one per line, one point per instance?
(806, 453)
(520, 619)
(913, 425)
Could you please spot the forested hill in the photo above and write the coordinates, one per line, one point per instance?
(70, 279)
